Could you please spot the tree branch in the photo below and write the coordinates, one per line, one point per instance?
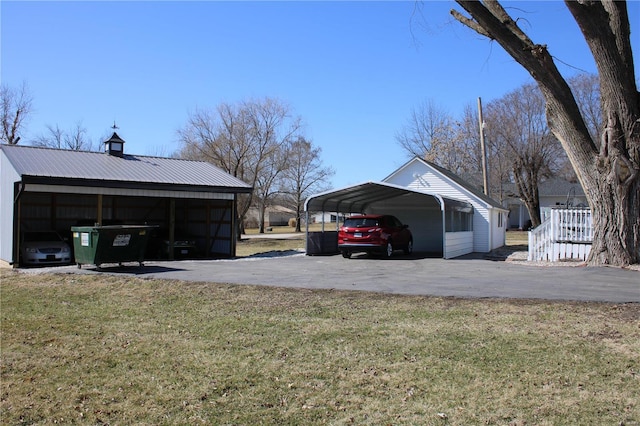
(470, 23)
(563, 113)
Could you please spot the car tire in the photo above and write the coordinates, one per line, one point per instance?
(409, 249)
(388, 249)
(346, 254)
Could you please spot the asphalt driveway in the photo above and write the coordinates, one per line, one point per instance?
(461, 277)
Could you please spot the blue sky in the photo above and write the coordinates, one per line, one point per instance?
(352, 71)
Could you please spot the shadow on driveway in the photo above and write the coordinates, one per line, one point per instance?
(131, 269)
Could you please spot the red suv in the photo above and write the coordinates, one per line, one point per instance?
(374, 234)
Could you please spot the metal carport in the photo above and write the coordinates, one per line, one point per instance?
(425, 213)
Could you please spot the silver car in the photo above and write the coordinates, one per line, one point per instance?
(44, 248)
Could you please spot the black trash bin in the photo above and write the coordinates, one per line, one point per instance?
(325, 242)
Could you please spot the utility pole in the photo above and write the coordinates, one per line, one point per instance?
(483, 149)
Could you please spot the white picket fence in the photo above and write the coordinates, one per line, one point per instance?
(565, 234)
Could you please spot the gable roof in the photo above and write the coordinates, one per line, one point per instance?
(550, 188)
(559, 188)
(49, 165)
(466, 186)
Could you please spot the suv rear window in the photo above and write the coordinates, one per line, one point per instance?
(361, 222)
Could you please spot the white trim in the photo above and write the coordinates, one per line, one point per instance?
(491, 222)
(64, 189)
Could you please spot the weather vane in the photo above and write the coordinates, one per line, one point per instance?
(114, 127)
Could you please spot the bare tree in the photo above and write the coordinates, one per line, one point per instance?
(15, 108)
(75, 139)
(272, 129)
(221, 137)
(427, 128)
(53, 139)
(521, 134)
(498, 163)
(608, 167)
(586, 89)
(431, 133)
(247, 141)
(304, 175)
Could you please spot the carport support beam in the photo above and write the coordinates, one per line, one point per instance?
(99, 211)
(172, 226)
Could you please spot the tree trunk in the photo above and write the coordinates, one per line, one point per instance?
(530, 197)
(298, 217)
(239, 228)
(261, 214)
(609, 177)
(615, 234)
(609, 173)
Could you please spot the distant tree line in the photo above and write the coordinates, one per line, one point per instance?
(259, 141)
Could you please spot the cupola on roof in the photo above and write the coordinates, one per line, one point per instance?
(114, 145)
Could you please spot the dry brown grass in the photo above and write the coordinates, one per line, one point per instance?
(253, 246)
(517, 238)
(115, 350)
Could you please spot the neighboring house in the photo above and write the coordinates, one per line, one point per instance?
(326, 217)
(53, 189)
(274, 216)
(446, 215)
(552, 193)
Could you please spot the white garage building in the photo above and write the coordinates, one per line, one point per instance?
(446, 215)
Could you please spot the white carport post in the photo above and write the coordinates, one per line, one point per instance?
(444, 225)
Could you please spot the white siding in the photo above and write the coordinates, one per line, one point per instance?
(499, 229)
(480, 229)
(8, 176)
(457, 244)
(419, 177)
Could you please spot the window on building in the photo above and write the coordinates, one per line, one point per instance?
(458, 216)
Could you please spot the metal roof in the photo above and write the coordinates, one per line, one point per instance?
(357, 198)
(555, 187)
(36, 162)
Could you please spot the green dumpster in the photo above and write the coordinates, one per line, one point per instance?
(95, 245)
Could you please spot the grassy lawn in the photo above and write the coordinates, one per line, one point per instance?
(517, 238)
(289, 229)
(250, 247)
(115, 350)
